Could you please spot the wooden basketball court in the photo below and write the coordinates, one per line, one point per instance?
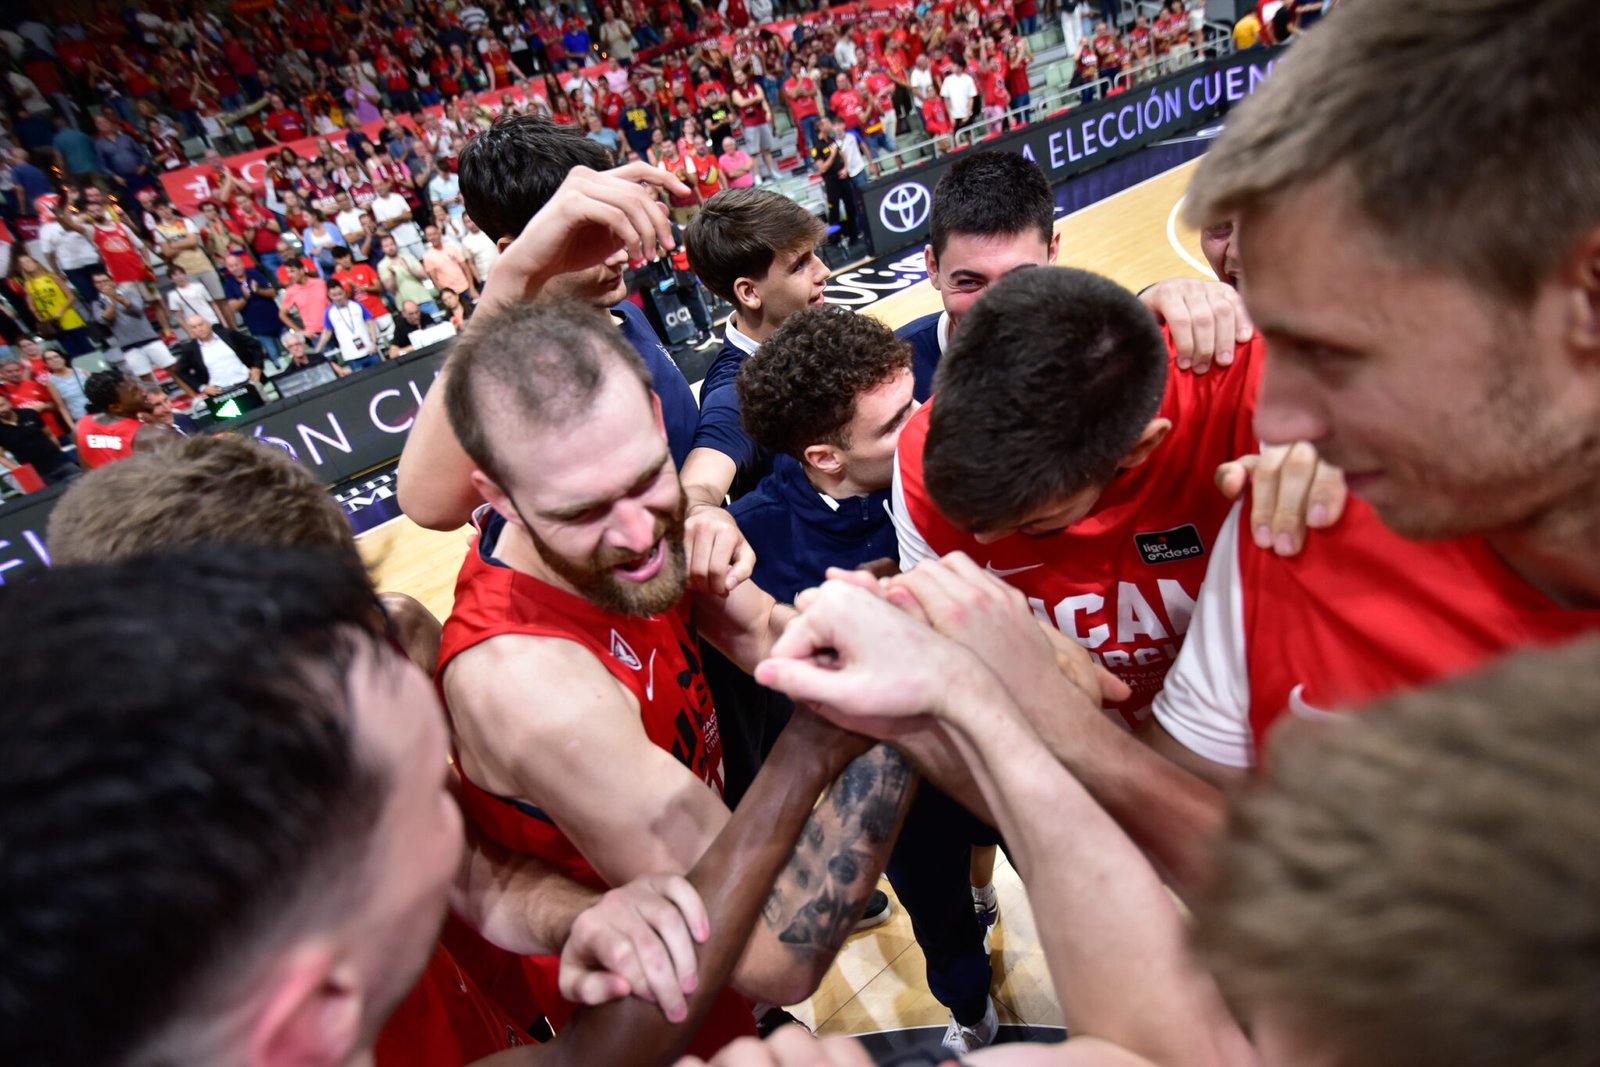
(877, 983)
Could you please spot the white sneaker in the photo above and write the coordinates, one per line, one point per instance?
(964, 1039)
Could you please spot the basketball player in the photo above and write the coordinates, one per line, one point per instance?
(515, 171)
(756, 249)
(1359, 911)
(998, 236)
(828, 394)
(113, 430)
(993, 212)
(258, 876)
(583, 727)
(225, 489)
(1500, 509)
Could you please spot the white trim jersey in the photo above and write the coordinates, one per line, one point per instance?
(1360, 614)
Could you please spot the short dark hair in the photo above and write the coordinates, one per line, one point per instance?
(536, 362)
(101, 388)
(1417, 885)
(512, 169)
(207, 489)
(738, 233)
(163, 811)
(341, 252)
(1048, 383)
(991, 194)
(800, 387)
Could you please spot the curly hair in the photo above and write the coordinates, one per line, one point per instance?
(800, 387)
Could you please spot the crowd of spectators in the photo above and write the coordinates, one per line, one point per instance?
(356, 238)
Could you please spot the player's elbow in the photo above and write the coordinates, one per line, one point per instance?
(787, 980)
(426, 506)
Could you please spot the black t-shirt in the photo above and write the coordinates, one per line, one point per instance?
(313, 359)
(820, 149)
(403, 329)
(717, 121)
(27, 441)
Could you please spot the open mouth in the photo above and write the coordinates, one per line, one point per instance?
(645, 567)
(819, 299)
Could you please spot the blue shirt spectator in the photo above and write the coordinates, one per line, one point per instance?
(77, 149)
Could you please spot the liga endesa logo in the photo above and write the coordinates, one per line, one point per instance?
(1170, 546)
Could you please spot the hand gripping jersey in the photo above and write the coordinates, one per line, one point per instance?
(656, 659)
(1360, 614)
(1123, 580)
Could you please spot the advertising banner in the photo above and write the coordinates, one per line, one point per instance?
(1073, 141)
(338, 430)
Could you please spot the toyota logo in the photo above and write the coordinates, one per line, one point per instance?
(905, 207)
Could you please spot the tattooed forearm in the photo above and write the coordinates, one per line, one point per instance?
(823, 890)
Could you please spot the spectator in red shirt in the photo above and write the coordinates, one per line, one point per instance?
(28, 394)
(800, 91)
(282, 123)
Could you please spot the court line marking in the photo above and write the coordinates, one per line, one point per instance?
(1177, 246)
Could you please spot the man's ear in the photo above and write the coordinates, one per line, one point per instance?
(931, 261)
(312, 1016)
(1153, 435)
(497, 497)
(1055, 249)
(503, 242)
(748, 293)
(824, 458)
(1583, 279)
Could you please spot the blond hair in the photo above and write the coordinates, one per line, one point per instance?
(1420, 885)
(1466, 132)
(202, 490)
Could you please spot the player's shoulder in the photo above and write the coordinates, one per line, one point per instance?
(494, 678)
(919, 327)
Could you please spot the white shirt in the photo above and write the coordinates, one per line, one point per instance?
(394, 206)
(921, 83)
(855, 161)
(191, 299)
(760, 11)
(349, 222)
(844, 54)
(349, 326)
(222, 365)
(482, 250)
(958, 91)
(70, 248)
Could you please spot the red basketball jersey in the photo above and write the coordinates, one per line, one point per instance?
(1360, 614)
(1121, 581)
(655, 658)
(448, 1020)
(99, 444)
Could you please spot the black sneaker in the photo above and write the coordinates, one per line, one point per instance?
(877, 912)
(775, 1019)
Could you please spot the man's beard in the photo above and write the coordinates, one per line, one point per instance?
(596, 581)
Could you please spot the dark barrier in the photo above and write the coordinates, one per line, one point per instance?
(338, 430)
(1074, 141)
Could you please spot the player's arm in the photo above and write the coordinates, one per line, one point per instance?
(733, 877)
(1106, 922)
(742, 624)
(1172, 814)
(566, 758)
(590, 216)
